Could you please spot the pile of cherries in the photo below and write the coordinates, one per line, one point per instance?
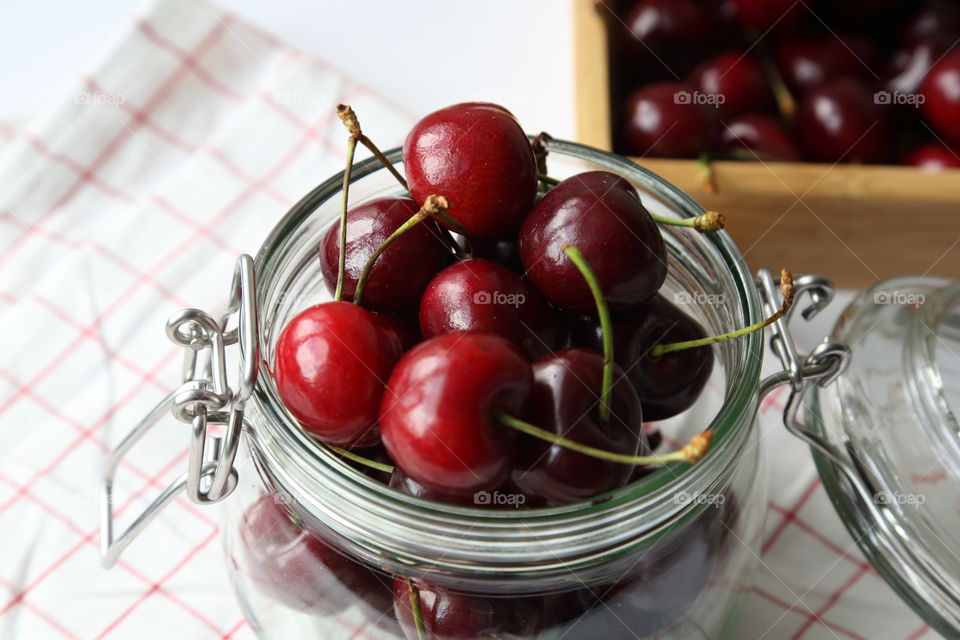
(496, 331)
(862, 81)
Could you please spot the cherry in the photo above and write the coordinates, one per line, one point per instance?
(666, 119)
(405, 484)
(808, 61)
(503, 251)
(935, 19)
(437, 416)
(764, 135)
(376, 453)
(669, 384)
(450, 615)
(302, 570)
(764, 15)
(941, 96)
(566, 386)
(478, 157)
(406, 328)
(400, 275)
(933, 156)
(911, 64)
(330, 365)
(842, 122)
(666, 34)
(616, 234)
(480, 295)
(739, 79)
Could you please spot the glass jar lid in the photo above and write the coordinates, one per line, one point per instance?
(886, 439)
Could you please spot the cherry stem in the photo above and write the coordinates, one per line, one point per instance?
(786, 104)
(349, 120)
(547, 180)
(691, 452)
(786, 290)
(345, 189)
(367, 462)
(540, 151)
(705, 173)
(417, 611)
(606, 326)
(704, 223)
(432, 206)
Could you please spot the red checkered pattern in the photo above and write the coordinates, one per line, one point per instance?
(131, 198)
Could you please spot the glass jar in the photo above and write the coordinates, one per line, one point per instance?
(319, 548)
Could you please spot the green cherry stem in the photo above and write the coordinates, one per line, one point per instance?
(547, 180)
(606, 326)
(691, 452)
(786, 290)
(417, 610)
(709, 221)
(367, 462)
(705, 173)
(349, 120)
(345, 190)
(432, 206)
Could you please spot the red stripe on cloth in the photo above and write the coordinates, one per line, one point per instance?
(788, 608)
(232, 630)
(830, 544)
(55, 236)
(40, 147)
(831, 601)
(790, 514)
(919, 633)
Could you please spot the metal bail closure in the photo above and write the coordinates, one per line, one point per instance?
(203, 399)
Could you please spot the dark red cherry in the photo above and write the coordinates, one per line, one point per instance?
(613, 230)
(480, 295)
(402, 272)
(666, 34)
(602, 181)
(842, 121)
(405, 326)
(300, 569)
(667, 385)
(909, 66)
(438, 416)
(477, 156)
(565, 401)
(764, 135)
(809, 61)
(933, 156)
(764, 15)
(330, 365)
(935, 19)
(503, 251)
(405, 484)
(941, 96)
(737, 82)
(508, 496)
(669, 120)
(449, 615)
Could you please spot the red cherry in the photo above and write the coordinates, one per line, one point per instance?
(666, 35)
(809, 61)
(910, 65)
(842, 121)
(503, 251)
(438, 415)
(941, 96)
(449, 615)
(405, 484)
(330, 365)
(612, 229)
(564, 401)
(933, 156)
(402, 272)
(764, 15)
(739, 79)
(300, 569)
(764, 135)
(666, 120)
(478, 157)
(480, 295)
(406, 327)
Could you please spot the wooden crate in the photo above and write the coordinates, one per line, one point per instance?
(854, 224)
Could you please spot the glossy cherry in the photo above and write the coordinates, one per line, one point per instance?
(933, 156)
(405, 484)
(808, 61)
(762, 134)
(670, 120)
(302, 570)
(941, 96)
(438, 416)
(737, 81)
(330, 365)
(402, 272)
(477, 156)
(910, 65)
(841, 121)
(612, 229)
(450, 615)
(564, 401)
(405, 326)
(667, 385)
(480, 295)
(666, 34)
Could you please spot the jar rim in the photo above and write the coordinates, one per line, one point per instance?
(599, 524)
